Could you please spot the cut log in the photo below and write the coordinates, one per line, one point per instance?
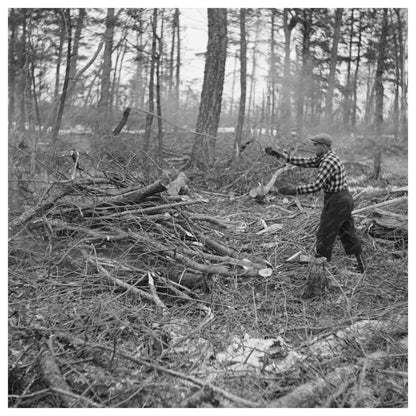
(261, 191)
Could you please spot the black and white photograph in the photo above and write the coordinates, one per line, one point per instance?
(207, 207)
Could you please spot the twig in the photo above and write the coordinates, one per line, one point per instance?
(152, 289)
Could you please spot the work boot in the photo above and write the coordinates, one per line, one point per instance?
(360, 263)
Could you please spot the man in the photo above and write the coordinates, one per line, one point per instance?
(336, 218)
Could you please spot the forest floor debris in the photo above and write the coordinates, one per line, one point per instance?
(140, 297)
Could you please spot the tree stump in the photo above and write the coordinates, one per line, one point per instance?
(317, 281)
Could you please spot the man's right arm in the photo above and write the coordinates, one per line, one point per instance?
(303, 162)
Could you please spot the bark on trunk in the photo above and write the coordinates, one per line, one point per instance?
(211, 96)
(243, 85)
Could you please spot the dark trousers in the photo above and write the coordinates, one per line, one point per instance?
(336, 219)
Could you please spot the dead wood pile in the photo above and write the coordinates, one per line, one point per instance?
(137, 238)
(387, 219)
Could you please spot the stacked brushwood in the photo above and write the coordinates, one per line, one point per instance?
(137, 237)
(381, 223)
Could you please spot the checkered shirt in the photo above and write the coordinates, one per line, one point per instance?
(331, 173)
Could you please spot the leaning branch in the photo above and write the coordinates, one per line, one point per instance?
(381, 204)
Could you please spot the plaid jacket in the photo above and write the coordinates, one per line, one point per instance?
(331, 173)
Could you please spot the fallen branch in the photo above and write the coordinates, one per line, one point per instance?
(261, 191)
(134, 196)
(381, 204)
(307, 394)
(312, 392)
(38, 209)
(56, 381)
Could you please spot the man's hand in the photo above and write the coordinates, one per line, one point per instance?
(287, 190)
(276, 153)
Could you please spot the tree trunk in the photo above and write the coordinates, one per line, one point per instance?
(55, 101)
(252, 99)
(285, 105)
(369, 103)
(379, 92)
(178, 66)
(122, 122)
(22, 59)
(104, 110)
(66, 15)
(139, 90)
(211, 96)
(357, 66)
(231, 111)
(172, 56)
(378, 82)
(12, 68)
(396, 116)
(348, 83)
(403, 83)
(75, 51)
(34, 96)
(243, 86)
(149, 116)
(158, 96)
(272, 93)
(304, 72)
(332, 67)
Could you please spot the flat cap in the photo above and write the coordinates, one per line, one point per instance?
(322, 138)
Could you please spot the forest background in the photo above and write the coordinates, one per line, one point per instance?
(294, 71)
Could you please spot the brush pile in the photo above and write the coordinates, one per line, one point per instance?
(136, 235)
